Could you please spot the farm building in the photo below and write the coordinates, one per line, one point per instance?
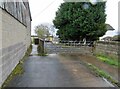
(15, 32)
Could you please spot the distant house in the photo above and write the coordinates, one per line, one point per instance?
(55, 40)
(35, 39)
(108, 38)
(109, 27)
(50, 38)
(15, 32)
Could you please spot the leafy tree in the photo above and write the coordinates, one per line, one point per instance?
(79, 20)
(42, 31)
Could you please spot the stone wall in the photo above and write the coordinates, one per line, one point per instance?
(14, 41)
(108, 48)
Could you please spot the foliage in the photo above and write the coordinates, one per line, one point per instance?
(103, 74)
(76, 22)
(42, 31)
(108, 60)
(41, 51)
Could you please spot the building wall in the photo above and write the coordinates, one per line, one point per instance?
(0, 46)
(108, 48)
(14, 41)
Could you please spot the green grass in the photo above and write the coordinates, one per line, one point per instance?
(17, 71)
(42, 54)
(108, 60)
(102, 73)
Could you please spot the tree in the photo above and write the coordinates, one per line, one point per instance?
(79, 20)
(51, 28)
(45, 30)
(42, 31)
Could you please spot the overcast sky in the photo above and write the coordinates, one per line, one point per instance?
(43, 11)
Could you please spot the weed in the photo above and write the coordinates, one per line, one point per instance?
(102, 73)
(18, 70)
(108, 60)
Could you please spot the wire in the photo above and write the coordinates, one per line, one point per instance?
(44, 9)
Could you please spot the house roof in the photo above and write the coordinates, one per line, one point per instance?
(107, 38)
(109, 27)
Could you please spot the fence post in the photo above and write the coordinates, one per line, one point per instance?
(94, 47)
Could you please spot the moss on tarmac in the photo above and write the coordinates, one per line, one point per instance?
(18, 70)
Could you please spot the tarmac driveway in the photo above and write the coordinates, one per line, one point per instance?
(56, 70)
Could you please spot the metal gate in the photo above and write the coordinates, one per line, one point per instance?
(69, 47)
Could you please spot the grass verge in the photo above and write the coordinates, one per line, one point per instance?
(18, 70)
(103, 74)
(111, 61)
(42, 54)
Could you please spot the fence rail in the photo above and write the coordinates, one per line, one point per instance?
(76, 43)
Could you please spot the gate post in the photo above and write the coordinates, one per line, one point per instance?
(94, 47)
(41, 47)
